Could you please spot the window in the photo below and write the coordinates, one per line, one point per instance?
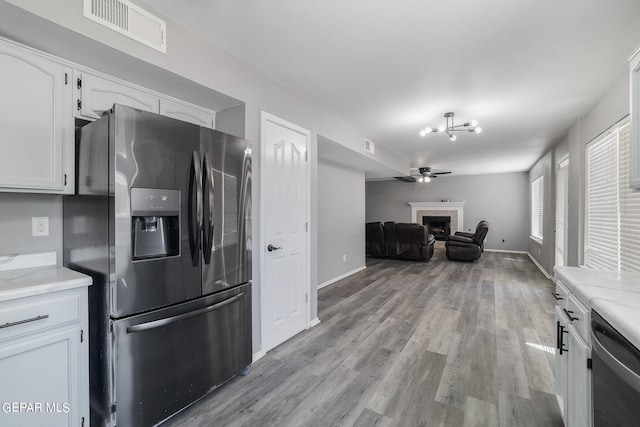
(537, 207)
(612, 217)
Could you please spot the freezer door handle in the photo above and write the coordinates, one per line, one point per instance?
(209, 191)
(195, 218)
(167, 321)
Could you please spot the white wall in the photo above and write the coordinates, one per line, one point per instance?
(341, 213)
(60, 29)
(501, 199)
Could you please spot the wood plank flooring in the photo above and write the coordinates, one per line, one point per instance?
(402, 343)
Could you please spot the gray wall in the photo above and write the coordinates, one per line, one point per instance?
(16, 211)
(501, 199)
(341, 218)
(544, 252)
(611, 108)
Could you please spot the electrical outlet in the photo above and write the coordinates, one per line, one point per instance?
(40, 226)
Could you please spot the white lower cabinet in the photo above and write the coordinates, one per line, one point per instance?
(44, 360)
(579, 384)
(573, 358)
(562, 363)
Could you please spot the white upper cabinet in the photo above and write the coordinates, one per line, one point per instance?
(97, 94)
(36, 124)
(187, 113)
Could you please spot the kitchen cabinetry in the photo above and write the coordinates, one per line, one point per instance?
(573, 359)
(96, 93)
(36, 124)
(44, 358)
(187, 112)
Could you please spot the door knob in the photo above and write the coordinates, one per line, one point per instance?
(272, 248)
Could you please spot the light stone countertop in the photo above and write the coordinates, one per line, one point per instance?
(42, 279)
(614, 295)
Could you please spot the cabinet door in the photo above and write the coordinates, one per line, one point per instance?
(579, 390)
(187, 112)
(35, 121)
(98, 94)
(44, 380)
(562, 362)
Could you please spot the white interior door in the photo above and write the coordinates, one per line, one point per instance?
(562, 200)
(284, 223)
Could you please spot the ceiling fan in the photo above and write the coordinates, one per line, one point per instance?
(421, 174)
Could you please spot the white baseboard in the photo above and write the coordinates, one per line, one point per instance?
(257, 356)
(342, 276)
(540, 266)
(314, 322)
(505, 251)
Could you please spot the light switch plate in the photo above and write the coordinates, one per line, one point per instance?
(40, 226)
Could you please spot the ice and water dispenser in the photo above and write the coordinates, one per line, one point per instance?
(155, 222)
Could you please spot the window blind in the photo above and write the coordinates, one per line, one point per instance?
(602, 224)
(629, 208)
(537, 207)
(612, 229)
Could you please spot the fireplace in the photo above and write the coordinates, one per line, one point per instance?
(439, 226)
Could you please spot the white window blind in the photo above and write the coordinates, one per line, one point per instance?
(537, 207)
(612, 228)
(602, 240)
(629, 208)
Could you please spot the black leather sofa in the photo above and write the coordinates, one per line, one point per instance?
(463, 248)
(399, 240)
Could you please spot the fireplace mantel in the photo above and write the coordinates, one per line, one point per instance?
(420, 209)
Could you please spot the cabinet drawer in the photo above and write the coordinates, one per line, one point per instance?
(26, 315)
(561, 294)
(580, 317)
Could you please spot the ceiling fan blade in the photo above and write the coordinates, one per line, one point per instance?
(441, 173)
(405, 178)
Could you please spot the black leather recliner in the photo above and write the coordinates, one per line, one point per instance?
(470, 235)
(375, 239)
(462, 248)
(408, 241)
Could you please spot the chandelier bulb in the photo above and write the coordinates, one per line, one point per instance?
(423, 132)
(428, 130)
(441, 128)
(427, 179)
(420, 179)
(452, 138)
(478, 130)
(474, 123)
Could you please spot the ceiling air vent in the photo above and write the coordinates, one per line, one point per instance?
(128, 19)
(369, 146)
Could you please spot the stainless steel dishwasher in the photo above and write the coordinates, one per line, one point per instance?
(615, 376)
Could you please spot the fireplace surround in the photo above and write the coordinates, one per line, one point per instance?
(453, 209)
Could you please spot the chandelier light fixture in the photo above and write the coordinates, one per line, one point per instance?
(451, 127)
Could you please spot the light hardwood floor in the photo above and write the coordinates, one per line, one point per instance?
(440, 343)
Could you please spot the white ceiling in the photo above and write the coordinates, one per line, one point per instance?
(525, 69)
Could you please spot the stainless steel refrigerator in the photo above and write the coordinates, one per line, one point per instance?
(161, 220)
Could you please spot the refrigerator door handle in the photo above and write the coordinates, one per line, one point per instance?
(167, 321)
(195, 225)
(210, 192)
